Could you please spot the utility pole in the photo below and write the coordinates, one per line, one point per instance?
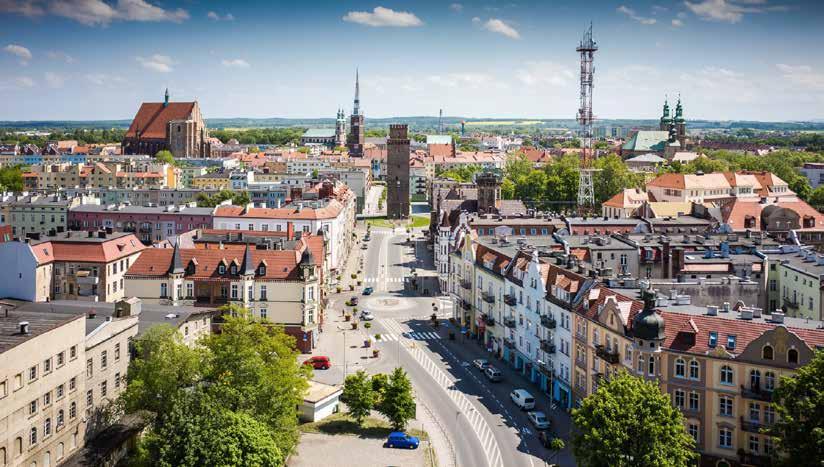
(586, 192)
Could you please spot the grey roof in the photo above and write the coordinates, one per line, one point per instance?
(130, 209)
(177, 261)
(73, 236)
(651, 158)
(248, 267)
(796, 261)
(319, 133)
(39, 323)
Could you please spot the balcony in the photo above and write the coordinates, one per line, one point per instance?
(611, 356)
(756, 393)
(510, 322)
(581, 337)
(510, 300)
(466, 284)
(548, 322)
(466, 305)
(509, 343)
(751, 426)
(790, 303)
(488, 297)
(547, 346)
(86, 278)
(755, 460)
(546, 368)
(488, 320)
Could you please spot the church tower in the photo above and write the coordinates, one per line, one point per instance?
(666, 121)
(340, 129)
(356, 137)
(680, 124)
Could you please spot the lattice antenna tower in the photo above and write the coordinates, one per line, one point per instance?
(587, 48)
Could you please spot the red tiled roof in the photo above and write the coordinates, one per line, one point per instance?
(90, 252)
(152, 118)
(669, 180)
(736, 213)
(331, 210)
(443, 150)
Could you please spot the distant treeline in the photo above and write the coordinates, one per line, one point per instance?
(82, 135)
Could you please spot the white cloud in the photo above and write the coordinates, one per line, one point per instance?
(54, 80)
(24, 82)
(19, 51)
(216, 16)
(157, 62)
(235, 63)
(456, 7)
(677, 23)
(58, 55)
(103, 79)
(95, 12)
(634, 16)
(802, 75)
(383, 17)
(501, 27)
(476, 20)
(730, 11)
(545, 73)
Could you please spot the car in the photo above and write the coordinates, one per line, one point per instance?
(523, 399)
(319, 362)
(353, 301)
(399, 439)
(481, 364)
(493, 374)
(364, 246)
(368, 291)
(538, 419)
(366, 315)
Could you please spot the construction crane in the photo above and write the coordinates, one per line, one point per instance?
(586, 191)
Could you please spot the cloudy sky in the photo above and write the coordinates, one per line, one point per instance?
(98, 59)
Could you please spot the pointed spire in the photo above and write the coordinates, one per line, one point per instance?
(679, 110)
(177, 261)
(166, 98)
(356, 109)
(248, 267)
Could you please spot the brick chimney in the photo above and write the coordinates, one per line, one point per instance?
(290, 230)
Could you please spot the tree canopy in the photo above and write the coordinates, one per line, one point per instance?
(629, 422)
(239, 198)
(799, 404)
(165, 156)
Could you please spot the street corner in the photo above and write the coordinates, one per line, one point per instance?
(389, 303)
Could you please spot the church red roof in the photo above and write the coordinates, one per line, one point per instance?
(152, 118)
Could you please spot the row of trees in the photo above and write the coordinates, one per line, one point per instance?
(628, 421)
(232, 400)
(11, 179)
(82, 135)
(278, 136)
(390, 395)
(239, 198)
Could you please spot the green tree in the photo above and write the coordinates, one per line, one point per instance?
(165, 157)
(556, 445)
(562, 178)
(630, 422)
(816, 198)
(398, 402)
(358, 395)
(507, 189)
(253, 150)
(462, 173)
(799, 403)
(517, 166)
(613, 177)
(379, 384)
(11, 178)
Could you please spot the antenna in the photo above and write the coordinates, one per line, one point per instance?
(440, 121)
(587, 48)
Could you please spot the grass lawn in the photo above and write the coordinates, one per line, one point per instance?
(420, 221)
(379, 222)
(341, 424)
(415, 222)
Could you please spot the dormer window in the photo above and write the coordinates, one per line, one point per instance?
(221, 269)
(233, 269)
(713, 339)
(731, 342)
(262, 270)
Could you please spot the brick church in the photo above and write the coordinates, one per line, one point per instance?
(175, 126)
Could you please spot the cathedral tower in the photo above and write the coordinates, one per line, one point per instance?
(355, 139)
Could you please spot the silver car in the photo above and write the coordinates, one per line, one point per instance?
(538, 419)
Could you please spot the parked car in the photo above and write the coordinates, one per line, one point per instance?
(366, 315)
(493, 374)
(353, 301)
(399, 439)
(538, 419)
(319, 362)
(368, 291)
(522, 399)
(481, 364)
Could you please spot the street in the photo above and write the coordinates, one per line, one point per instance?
(480, 423)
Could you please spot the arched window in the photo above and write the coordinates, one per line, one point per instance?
(726, 375)
(679, 398)
(651, 365)
(640, 364)
(694, 370)
(792, 356)
(60, 449)
(18, 446)
(3, 455)
(769, 381)
(47, 459)
(755, 380)
(680, 368)
(767, 352)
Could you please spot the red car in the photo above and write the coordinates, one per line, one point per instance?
(319, 363)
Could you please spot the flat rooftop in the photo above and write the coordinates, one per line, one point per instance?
(80, 237)
(39, 323)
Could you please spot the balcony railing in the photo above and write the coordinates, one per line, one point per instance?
(510, 300)
(466, 305)
(547, 346)
(466, 284)
(755, 459)
(756, 393)
(546, 368)
(581, 337)
(790, 303)
(509, 322)
(548, 322)
(611, 356)
(488, 297)
(751, 426)
(509, 343)
(489, 320)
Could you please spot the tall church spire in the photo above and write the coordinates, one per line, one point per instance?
(356, 108)
(166, 98)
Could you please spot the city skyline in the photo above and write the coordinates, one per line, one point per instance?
(728, 59)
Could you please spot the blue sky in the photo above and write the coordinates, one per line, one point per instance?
(98, 59)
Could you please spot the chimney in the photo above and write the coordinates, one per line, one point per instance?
(725, 307)
(712, 310)
(290, 230)
(24, 327)
(777, 317)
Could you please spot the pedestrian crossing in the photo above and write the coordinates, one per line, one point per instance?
(418, 336)
(376, 280)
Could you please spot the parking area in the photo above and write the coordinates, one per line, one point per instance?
(341, 450)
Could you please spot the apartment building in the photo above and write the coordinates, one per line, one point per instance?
(149, 223)
(702, 187)
(42, 387)
(279, 286)
(29, 214)
(796, 281)
(134, 174)
(87, 266)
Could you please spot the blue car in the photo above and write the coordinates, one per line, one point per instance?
(399, 439)
(368, 291)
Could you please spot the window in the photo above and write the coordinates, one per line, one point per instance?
(768, 446)
(679, 398)
(651, 366)
(726, 375)
(731, 342)
(755, 380)
(792, 356)
(89, 397)
(47, 398)
(767, 352)
(47, 427)
(73, 410)
(60, 418)
(33, 407)
(33, 373)
(234, 291)
(117, 380)
(163, 290)
(769, 381)
(89, 368)
(680, 368)
(640, 365)
(60, 391)
(754, 444)
(103, 389)
(713, 339)
(104, 359)
(725, 438)
(47, 365)
(221, 269)
(264, 314)
(693, 401)
(693, 431)
(725, 406)
(33, 436)
(61, 358)
(73, 352)
(694, 370)
(72, 384)
(769, 415)
(117, 351)
(263, 292)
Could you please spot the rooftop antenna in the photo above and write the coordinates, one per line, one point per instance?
(586, 193)
(440, 121)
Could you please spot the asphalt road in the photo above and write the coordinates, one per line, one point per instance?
(485, 428)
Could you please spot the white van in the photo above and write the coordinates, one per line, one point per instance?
(522, 399)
